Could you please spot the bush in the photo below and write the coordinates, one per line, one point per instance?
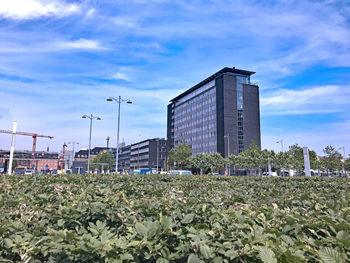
(161, 218)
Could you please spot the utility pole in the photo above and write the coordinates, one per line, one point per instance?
(9, 171)
(343, 148)
(119, 100)
(228, 152)
(91, 117)
(157, 154)
(281, 142)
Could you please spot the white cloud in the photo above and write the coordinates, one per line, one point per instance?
(31, 9)
(81, 43)
(120, 75)
(124, 22)
(324, 99)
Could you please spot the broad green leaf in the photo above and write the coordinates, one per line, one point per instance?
(60, 222)
(192, 258)
(267, 255)
(331, 255)
(187, 219)
(8, 242)
(126, 256)
(205, 251)
(141, 229)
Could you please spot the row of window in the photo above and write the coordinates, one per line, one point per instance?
(189, 116)
(209, 88)
(195, 138)
(240, 131)
(203, 145)
(240, 81)
(195, 122)
(190, 139)
(201, 128)
(192, 106)
(194, 153)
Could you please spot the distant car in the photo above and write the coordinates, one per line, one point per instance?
(285, 173)
(28, 172)
(267, 174)
(20, 170)
(180, 172)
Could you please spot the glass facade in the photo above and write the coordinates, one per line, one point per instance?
(240, 81)
(195, 120)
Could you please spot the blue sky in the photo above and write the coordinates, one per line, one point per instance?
(62, 59)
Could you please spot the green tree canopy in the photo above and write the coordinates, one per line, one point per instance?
(216, 162)
(296, 157)
(179, 155)
(105, 157)
(332, 160)
(200, 161)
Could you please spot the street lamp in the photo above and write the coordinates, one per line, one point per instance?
(228, 152)
(281, 142)
(91, 117)
(119, 100)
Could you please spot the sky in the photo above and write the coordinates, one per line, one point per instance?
(60, 60)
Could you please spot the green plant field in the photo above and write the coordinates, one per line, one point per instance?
(160, 218)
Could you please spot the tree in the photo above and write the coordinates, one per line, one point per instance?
(282, 161)
(216, 162)
(314, 162)
(251, 158)
(332, 160)
(347, 165)
(296, 159)
(267, 158)
(179, 155)
(104, 157)
(200, 161)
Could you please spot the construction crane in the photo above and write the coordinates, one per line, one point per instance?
(33, 135)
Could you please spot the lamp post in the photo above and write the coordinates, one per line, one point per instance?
(73, 144)
(91, 117)
(228, 152)
(343, 148)
(119, 100)
(281, 142)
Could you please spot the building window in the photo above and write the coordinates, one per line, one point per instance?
(240, 81)
(240, 131)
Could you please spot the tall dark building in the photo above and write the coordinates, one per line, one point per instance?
(219, 114)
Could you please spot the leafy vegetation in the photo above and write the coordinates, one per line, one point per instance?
(161, 218)
(178, 156)
(103, 161)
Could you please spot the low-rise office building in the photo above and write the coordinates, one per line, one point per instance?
(149, 154)
(124, 159)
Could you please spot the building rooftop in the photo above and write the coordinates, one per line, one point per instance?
(212, 77)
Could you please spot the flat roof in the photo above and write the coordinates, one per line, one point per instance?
(212, 77)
